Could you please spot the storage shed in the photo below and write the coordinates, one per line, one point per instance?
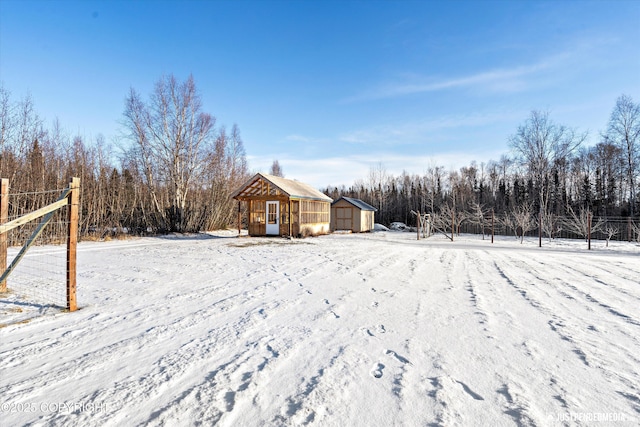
(283, 207)
(352, 214)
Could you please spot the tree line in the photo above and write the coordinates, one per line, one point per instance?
(548, 174)
(173, 171)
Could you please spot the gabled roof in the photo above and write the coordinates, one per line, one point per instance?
(357, 203)
(287, 187)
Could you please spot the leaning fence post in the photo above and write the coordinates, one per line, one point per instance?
(4, 217)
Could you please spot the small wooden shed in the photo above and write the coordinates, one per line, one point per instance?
(352, 215)
(284, 207)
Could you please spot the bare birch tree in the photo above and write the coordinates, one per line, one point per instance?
(539, 145)
(276, 169)
(624, 131)
(171, 135)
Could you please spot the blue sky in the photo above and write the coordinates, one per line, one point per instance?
(332, 88)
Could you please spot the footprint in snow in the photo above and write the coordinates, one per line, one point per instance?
(374, 304)
(326, 301)
(397, 356)
(367, 332)
(376, 372)
(381, 329)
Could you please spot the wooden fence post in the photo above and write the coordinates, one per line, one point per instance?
(539, 228)
(72, 243)
(453, 223)
(4, 217)
(492, 225)
(589, 230)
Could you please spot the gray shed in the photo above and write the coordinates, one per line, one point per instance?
(354, 215)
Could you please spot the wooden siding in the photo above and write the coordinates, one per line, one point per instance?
(345, 216)
(307, 217)
(298, 215)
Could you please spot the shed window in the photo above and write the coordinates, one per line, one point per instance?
(284, 213)
(258, 212)
(314, 212)
(273, 213)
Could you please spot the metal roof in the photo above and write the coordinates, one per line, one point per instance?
(290, 188)
(357, 203)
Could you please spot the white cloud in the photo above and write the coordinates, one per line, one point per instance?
(296, 138)
(337, 171)
(424, 131)
(498, 80)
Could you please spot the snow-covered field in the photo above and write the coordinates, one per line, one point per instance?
(347, 330)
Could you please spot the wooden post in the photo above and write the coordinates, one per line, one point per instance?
(539, 228)
(589, 230)
(453, 223)
(418, 223)
(4, 217)
(239, 216)
(72, 243)
(492, 225)
(290, 219)
(629, 229)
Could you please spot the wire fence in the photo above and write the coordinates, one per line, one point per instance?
(556, 227)
(38, 282)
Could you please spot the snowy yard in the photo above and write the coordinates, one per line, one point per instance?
(347, 330)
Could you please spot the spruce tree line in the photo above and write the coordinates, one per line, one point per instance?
(548, 173)
(173, 170)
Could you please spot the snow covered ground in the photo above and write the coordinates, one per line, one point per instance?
(360, 330)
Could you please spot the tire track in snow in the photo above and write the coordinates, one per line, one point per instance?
(603, 287)
(475, 296)
(453, 397)
(547, 276)
(517, 393)
(556, 322)
(590, 351)
(575, 294)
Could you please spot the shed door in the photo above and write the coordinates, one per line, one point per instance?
(273, 223)
(343, 219)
